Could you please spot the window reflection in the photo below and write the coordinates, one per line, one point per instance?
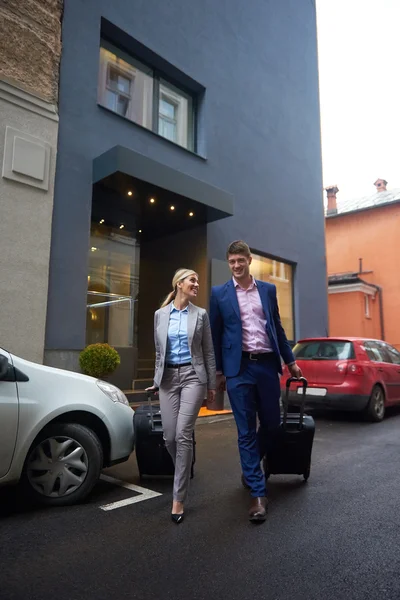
(281, 275)
(131, 89)
(113, 286)
(125, 87)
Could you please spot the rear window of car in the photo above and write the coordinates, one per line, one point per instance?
(324, 350)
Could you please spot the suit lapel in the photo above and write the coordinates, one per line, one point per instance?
(264, 299)
(233, 297)
(163, 328)
(191, 323)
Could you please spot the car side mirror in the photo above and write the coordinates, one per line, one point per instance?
(3, 366)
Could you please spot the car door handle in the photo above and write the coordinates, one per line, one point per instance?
(380, 370)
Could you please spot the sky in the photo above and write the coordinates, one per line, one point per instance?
(359, 72)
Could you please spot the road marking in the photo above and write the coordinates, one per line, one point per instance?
(144, 493)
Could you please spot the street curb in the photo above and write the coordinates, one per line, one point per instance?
(213, 419)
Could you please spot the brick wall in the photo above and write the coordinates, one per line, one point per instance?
(30, 45)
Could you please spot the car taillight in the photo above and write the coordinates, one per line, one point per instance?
(355, 369)
(342, 367)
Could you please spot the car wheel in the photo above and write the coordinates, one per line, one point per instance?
(376, 407)
(63, 464)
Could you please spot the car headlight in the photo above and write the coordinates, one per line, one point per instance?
(112, 392)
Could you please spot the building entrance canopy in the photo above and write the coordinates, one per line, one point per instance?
(150, 198)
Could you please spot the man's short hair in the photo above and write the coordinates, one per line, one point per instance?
(238, 247)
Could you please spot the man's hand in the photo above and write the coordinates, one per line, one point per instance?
(295, 371)
(211, 396)
(221, 382)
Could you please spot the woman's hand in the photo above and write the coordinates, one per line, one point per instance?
(211, 396)
(153, 389)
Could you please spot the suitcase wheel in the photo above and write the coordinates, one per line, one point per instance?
(306, 474)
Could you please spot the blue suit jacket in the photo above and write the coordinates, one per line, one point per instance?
(226, 327)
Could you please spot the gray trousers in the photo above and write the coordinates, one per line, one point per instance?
(181, 396)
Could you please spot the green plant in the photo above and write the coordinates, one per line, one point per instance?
(99, 360)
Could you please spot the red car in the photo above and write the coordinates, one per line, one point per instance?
(352, 374)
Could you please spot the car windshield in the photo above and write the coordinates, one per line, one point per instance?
(324, 350)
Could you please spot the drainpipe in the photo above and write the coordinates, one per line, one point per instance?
(382, 322)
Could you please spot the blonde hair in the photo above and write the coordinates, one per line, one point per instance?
(180, 275)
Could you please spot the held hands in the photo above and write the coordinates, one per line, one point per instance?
(221, 382)
(295, 371)
(211, 396)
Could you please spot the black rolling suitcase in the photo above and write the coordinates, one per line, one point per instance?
(291, 447)
(152, 457)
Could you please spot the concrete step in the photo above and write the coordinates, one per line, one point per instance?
(145, 373)
(136, 397)
(146, 363)
(141, 384)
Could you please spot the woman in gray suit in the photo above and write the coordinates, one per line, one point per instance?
(185, 370)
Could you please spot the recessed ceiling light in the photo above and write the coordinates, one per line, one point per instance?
(101, 221)
(191, 214)
(152, 200)
(172, 207)
(93, 249)
(121, 226)
(140, 231)
(130, 193)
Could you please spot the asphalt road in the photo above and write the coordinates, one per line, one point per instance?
(336, 537)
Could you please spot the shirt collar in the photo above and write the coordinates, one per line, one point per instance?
(174, 309)
(251, 286)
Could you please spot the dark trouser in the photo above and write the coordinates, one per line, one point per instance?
(255, 391)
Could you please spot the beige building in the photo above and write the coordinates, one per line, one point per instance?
(30, 48)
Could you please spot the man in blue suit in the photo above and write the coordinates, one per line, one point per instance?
(249, 341)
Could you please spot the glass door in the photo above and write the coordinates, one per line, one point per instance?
(113, 287)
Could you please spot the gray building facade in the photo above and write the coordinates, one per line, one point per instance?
(183, 126)
(30, 49)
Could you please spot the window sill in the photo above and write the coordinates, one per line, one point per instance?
(153, 133)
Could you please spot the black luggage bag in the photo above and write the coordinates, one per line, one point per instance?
(152, 457)
(291, 447)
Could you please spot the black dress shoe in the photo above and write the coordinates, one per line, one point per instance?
(177, 518)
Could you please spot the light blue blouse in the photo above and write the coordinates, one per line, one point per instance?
(178, 351)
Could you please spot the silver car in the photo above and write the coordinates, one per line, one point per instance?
(58, 429)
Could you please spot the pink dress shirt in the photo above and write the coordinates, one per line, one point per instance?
(254, 335)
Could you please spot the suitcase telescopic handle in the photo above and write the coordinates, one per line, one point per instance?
(304, 383)
(150, 395)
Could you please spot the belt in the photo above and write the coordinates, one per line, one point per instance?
(258, 356)
(176, 366)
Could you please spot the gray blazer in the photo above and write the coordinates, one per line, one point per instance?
(200, 344)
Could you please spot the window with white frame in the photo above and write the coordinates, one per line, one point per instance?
(118, 89)
(132, 90)
(168, 118)
(366, 306)
(125, 86)
(175, 115)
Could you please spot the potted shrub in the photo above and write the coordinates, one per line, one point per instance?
(99, 360)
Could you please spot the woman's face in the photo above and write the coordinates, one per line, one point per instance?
(189, 286)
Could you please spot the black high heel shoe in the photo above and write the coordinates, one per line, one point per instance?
(177, 518)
